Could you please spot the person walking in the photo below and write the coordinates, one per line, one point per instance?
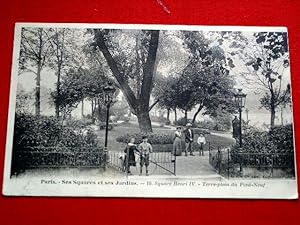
(177, 148)
(201, 141)
(189, 139)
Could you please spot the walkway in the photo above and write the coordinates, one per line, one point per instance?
(194, 165)
(186, 166)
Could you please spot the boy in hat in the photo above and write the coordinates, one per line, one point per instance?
(145, 149)
(189, 138)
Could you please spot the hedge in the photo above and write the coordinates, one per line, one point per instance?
(153, 138)
(47, 134)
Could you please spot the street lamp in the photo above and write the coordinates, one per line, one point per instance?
(240, 100)
(109, 91)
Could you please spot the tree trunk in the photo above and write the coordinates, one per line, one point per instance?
(139, 104)
(273, 109)
(92, 103)
(93, 110)
(57, 91)
(38, 90)
(168, 114)
(144, 122)
(197, 112)
(38, 75)
(175, 114)
(273, 114)
(82, 108)
(186, 116)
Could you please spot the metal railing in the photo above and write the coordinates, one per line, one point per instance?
(225, 160)
(56, 157)
(160, 162)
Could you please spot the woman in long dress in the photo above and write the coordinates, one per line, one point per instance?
(177, 149)
(130, 156)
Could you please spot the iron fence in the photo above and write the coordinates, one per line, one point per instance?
(160, 162)
(56, 157)
(226, 161)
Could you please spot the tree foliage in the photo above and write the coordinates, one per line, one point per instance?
(266, 60)
(35, 50)
(204, 81)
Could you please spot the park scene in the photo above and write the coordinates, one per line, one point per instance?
(149, 102)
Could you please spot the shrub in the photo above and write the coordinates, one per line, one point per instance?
(47, 134)
(153, 138)
(256, 141)
(182, 122)
(200, 131)
(42, 131)
(278, 140)
(282, 137)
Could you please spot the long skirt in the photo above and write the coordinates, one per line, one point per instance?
(177, 149)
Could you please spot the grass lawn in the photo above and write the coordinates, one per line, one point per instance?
(124, 128)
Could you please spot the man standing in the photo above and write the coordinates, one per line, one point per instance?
(235, 128)
(189, 138)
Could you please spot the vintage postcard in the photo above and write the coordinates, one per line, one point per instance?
(165, 111)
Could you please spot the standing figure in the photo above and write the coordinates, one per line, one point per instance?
(189, 138)
(235, 128)
(145, 149)
(129, 159)
(201, 141)
(177, 149)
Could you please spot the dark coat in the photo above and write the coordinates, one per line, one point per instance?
(131, 155)
(188, 136)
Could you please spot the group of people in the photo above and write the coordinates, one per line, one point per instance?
(188, 134)
(144, 149)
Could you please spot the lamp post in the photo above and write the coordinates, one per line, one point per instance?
(109, 91)
(240, 100)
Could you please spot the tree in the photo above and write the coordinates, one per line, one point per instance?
(79, 84)
(266, 60)
(165, 92)
(67, 54)
(147, 48)
(35, 50)
(204, 81)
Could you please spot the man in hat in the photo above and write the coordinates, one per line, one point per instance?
(189, 138)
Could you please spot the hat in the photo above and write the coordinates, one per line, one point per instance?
(188, 124)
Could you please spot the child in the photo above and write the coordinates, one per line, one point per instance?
(201, 142)
(129, 159)
(145, 149)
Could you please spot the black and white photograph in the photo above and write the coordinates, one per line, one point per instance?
(164, 111)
